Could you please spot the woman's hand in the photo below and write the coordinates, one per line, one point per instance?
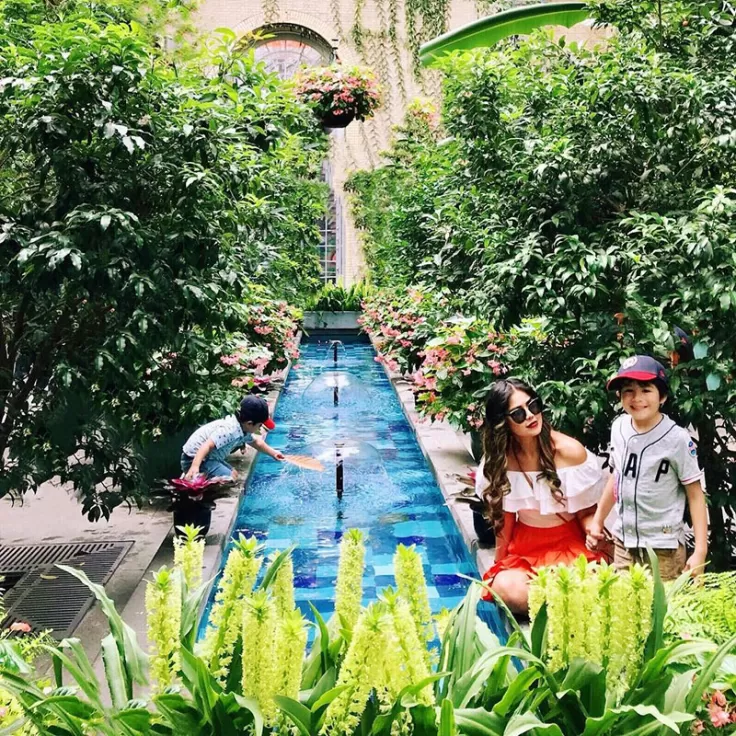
(594, 533)
(278, 455)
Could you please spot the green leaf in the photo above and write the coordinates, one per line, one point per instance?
(513, 22)
(707, 673)
(479, 722)
(700, 350)
(527, 722)
(447, 719)
(713, 381)
(114, 672)
(299, 714)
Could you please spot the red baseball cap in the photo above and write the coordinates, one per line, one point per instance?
(638, 368)
(255, 409)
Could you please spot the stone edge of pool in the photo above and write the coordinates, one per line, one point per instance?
(447, 456)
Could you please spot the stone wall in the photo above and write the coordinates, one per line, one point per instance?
(360, 145)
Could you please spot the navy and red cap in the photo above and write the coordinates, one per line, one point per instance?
(638, 368)
(255, 409)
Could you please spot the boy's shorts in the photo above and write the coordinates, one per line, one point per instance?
(671, 561)
(210, 467)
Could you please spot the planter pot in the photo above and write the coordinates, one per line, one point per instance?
(483, 529)
(330, 120)
(476, 446)
(331, 320)
(197, 513)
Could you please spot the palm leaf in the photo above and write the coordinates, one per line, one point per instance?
(513, 22)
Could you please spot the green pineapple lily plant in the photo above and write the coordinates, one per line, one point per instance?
(596, 661)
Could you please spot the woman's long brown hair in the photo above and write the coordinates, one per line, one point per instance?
(498, 442)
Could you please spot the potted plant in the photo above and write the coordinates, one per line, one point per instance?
(192, 501)
(339, 95)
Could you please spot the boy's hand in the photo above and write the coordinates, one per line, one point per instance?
(596, 533)
(192, 473)
(696, 563)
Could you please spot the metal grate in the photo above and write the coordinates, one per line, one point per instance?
(48, 598)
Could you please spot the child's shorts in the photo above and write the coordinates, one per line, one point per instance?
(211, 468)
(671, 561)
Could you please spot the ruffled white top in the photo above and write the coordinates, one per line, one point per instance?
(534, 504)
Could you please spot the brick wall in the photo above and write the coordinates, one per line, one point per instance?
(359, 145)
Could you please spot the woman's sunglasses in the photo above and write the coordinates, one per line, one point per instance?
(518, 415)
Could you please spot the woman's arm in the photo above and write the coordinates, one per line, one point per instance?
(503, 539)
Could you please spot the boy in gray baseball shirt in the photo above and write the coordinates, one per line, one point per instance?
(655, 471)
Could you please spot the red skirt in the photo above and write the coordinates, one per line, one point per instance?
(532, 547)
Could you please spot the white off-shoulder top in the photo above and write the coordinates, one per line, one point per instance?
(582, 486)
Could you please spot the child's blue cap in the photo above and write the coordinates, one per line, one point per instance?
(638, 368)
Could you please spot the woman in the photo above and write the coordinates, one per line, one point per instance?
(540, 488)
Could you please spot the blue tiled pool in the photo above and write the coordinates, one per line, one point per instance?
(389, 491)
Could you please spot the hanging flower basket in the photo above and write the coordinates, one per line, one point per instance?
(339, 95)
(337, 119)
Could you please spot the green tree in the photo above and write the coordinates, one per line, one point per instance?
(592, 192)
(141, 203)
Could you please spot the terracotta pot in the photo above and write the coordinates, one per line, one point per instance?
(330, 120)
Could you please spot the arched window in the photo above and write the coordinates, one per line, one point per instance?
(286, 47)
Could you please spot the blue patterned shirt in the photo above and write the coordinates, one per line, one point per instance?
(227, 434)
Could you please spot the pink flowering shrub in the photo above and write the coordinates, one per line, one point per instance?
(451, 360)
(718, 712)
(257, 356)
(460, 363)
(334, 90)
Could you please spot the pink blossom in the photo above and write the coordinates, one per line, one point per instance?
(392, 365)
(453, 340)
(3, 712)
(405, 343)
(718, 716)
(20, 626)
(476, 422)
(698, 727)
(467, 371)
(472, 407)
(430, 383)
(440, 415)
(228, 359)
(263, 330)
(718, 698)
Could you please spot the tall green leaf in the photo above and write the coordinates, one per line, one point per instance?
(512, 22)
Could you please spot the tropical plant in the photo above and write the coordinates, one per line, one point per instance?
(142, 216)
(334, 91)
(703, 609)
(377, 679)
(511, 22)
(567, 196)
(335, 298)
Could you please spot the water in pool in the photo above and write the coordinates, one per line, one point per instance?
(347, 415)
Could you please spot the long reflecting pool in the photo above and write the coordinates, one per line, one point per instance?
(375, 478)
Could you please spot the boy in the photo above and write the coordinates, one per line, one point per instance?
(207, 449)
(655, 469)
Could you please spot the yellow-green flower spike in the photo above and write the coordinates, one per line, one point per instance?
(349, 586)
(163, 607)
